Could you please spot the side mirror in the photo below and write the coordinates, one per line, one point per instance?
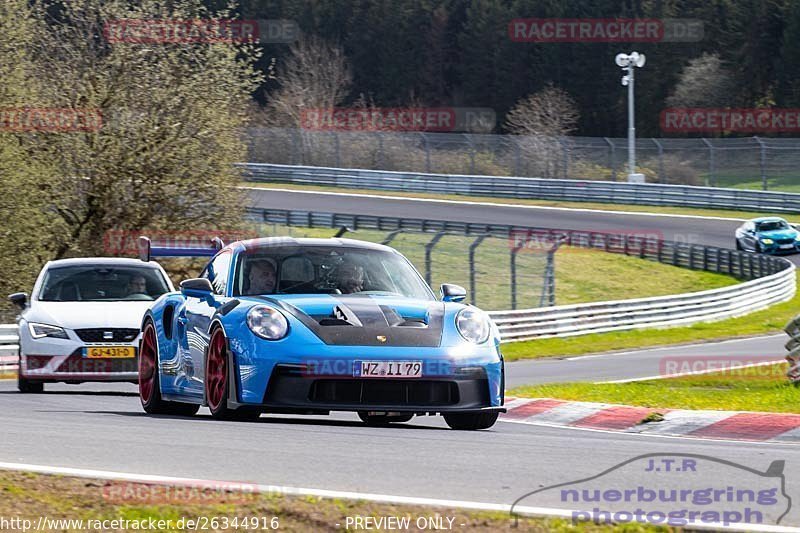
(196, 288)
(20, 299)
(452, 293)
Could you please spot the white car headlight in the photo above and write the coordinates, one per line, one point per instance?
(267, 323)
(473, 325)
(39, 331)
(767, 241)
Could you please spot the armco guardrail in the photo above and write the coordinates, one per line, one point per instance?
(771, 279)
(529, 188)
(8, 347)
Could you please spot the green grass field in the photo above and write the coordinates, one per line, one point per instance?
(32, 497)
(581, 275)
(764, 388)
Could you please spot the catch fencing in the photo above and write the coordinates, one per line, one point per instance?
(768, 279)
(529, 188)
(743, 162)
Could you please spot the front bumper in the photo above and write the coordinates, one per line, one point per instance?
(292, 389)
(775, 248)
(52, 359)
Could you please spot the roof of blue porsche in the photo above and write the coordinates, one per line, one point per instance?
(270, 242)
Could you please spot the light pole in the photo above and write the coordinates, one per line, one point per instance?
(629, 62)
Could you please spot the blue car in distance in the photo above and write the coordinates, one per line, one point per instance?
(310, 326)
(768, 235)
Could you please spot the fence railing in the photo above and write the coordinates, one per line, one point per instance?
(529, 188)
(771, 279)
(8, 347)
(746, 162)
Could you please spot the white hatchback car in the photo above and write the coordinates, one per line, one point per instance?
(83, 319)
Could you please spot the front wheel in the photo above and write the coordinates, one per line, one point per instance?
(27, 386)
(383, 419)
(149, 386)
(471, 421)
(216, 382)
(739, 245)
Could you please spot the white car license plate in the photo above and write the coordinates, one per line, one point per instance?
(387, 369)
(787, 246)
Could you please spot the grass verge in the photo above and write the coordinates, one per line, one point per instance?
(667, 210)
(770, 320)
(31, 496)
(763, 388)
(582, 275)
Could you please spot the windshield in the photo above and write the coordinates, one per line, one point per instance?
(773, 225)
(327, 270)
(94, 283)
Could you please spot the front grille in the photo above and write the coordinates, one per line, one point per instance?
(785, 241)
(99, 334)
(384, 392)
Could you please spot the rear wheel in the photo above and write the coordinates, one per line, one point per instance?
(216, 382)
(471, 421)
(383, 419)
(29, 387)
(149, 386)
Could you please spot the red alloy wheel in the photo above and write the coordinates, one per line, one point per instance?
(216, 371)
(147, 364)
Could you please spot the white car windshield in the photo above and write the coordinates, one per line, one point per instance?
(328, 270)
(94, 283)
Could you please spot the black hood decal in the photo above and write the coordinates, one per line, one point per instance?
(359, 320)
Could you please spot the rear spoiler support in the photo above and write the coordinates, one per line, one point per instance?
(147, 251)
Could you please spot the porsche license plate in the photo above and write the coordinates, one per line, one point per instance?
(387, 369)
(109, 352)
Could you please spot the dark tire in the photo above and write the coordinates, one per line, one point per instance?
(27, 386)
(739, 245)
(383, 420)
(471, 421)
(757, 248)
(216, 381)
(149, 384)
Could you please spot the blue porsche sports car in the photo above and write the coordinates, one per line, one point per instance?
(309, 326)
(768, 235)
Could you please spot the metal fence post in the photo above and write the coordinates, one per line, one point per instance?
(711, 163)
(513, 271)
(660, 147)
(763, 162)
(612, 159)
(338, 149)
(428, 250)
(473, 289)
(565, 153)
(381, 156)
(427, 153)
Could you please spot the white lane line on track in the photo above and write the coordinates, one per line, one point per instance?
(378, 498)
(674, 347)
(495, 204)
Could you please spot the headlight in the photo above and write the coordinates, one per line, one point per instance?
(767, 241)
(267, 323)
(39, 331)
(473, 325)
